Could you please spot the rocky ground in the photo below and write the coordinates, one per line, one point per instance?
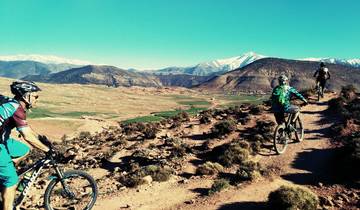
(173, 164)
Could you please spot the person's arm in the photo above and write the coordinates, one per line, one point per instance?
(328, 74)
(30, 137)
(316, 72)
(298, 95)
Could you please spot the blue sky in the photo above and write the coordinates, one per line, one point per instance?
(148, 34)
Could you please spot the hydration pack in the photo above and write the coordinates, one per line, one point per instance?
(323, 71)
(8, 106)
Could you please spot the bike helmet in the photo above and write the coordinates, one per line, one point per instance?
(283, 79)
(322, 64)
(22, 90)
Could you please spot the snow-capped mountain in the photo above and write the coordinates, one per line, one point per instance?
(215, 67)
(47, 59)
(347, 62)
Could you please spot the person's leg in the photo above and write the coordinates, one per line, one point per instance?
(17, 150)
(8, 178)
(322, 85)
(279, 117)
(295, 111)
(8, 195)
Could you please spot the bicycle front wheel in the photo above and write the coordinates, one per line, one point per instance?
(280, 139)
(299, 130)
(77, 190)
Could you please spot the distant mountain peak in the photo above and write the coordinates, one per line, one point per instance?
(47, 59)
(348, 62)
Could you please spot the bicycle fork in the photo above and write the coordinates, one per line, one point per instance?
(67, 192)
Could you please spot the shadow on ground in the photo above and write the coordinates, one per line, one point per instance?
(244, 206)
(324, 166)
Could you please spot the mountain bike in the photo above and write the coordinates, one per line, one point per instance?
(71, 189)
(284, 133)
(319, 92)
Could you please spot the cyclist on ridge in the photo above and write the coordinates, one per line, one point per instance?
(322, 74)
(11, 150)
(281, 100)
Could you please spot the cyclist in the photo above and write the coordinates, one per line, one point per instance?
(11, 150)
(322, 74)
(280, 100)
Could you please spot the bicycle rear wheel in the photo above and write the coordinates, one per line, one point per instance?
(280, 139)
(299, 132)
(77, 191)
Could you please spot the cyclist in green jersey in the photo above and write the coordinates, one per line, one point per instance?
(281, 100)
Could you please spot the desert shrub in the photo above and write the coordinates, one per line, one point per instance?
(84, 135)
(133, 179)
(157, 173)
(181, 117)
(218, 186)
(233, 154)
(290, 198)
(348, 92)
(209, 168)
(223, 127)
(255, 109)
(249, 170)
(205, 118)
(177, 147)
(150, 132)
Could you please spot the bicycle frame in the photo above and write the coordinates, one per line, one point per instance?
(36, 168)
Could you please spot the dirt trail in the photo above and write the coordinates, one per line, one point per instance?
(303, 163)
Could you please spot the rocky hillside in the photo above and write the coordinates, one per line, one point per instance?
(261, 76)
(102, 75)
(19, 69)
(182, 80)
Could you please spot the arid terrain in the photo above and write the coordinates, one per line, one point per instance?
(174, 161)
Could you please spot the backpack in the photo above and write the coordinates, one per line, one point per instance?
(323, 72)
(8, 106)
(279, 95)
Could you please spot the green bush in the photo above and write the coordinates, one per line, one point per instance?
(348, 92)
(223, 127)
(209, 168)
(84, 134)
(249, 170)
(234, 154)
(157, 173)
(218, 186)
(290, 198)
(205, 118)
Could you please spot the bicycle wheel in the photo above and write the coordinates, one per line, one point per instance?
(280, 139)
(299, 132)
(77, 191)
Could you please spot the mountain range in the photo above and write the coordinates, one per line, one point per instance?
(261, 76)
(247, 73)
(212, 68)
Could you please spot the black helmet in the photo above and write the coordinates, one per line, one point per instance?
(282, 79)
(322, 64)
(21, 88)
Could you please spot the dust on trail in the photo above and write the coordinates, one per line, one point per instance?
(302, 164)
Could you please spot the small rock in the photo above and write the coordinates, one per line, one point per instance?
(189, 201)
(184, 181)
(147, 179)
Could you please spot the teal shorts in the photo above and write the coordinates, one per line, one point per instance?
(12, 149)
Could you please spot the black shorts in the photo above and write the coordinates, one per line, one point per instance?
(321, 81)
(280, 116)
